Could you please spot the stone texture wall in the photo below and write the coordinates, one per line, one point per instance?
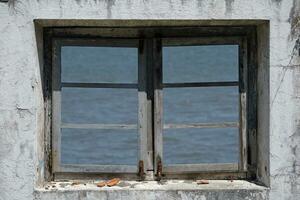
(21, 99)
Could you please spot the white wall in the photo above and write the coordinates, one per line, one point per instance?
(21, 101)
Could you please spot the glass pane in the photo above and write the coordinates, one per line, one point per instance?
(103, 147)
(200, 63)
(100, 105)
(99, 64)
(196, 146)
(188, 105)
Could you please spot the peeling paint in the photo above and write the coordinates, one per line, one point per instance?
(294, 19)
(229, 4)
(109, 5)
(277, 1)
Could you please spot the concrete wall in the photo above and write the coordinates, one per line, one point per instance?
(21, 99)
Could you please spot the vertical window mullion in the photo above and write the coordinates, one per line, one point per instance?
(150, 103)
(143, 108)
(56, 105)
(158, 104)
(243, 104)
(252, 102)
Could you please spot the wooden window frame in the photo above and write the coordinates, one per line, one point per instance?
(183, 170)
(149, 42)
(57, 124)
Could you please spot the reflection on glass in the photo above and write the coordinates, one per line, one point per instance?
(194, 146)
(100, 105)
(99, 64)
(201, 105)
(200, 63)
(102, 147)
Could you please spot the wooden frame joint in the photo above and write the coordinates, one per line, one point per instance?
(141, 172)
(159, 168)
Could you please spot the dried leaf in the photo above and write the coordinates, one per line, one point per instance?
(75, 183)
(101, 184)
(199, 182)
(113, 182)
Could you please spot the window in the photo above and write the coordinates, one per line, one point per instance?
(153, 103)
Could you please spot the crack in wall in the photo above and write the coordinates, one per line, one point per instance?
(228, 4)
(294, 20)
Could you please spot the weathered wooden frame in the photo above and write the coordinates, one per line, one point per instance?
(57, 124)
(146, 35)
(180, 169)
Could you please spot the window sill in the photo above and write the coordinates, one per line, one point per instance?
(173, 189)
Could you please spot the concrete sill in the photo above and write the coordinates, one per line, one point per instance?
(173, 189)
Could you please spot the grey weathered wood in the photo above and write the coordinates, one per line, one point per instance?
(185, 32)
(148, 57)
(243, 132)
(56, 106)
(208, 175)
(133, 126)
(192, 41)
(134, 31)
(252, 101)
(100, 85)
(58, 167)
(192, 168)
(98, 168)
(201, 84)
(98, 126)
(94, 176)
(132, 24)
(46, 81)
(158, 102)
(243, 105)
(98, 42)
(202, 125)
(144, 123)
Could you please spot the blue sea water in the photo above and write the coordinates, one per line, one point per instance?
(120, 106)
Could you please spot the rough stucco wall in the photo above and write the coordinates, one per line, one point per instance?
(154, 195)
(21, 103)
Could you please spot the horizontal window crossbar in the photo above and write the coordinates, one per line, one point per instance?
(201, 84)
(135, 86)
(98, 126)
(198, 41)
(203, 125)
(194, 168)
(101, 85)
(166, 126)
(98, 168)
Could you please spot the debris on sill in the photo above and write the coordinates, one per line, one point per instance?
(101, 184)
(110, 183)
(202, 182)
(119, 184)
(75, 183)
(113, 182)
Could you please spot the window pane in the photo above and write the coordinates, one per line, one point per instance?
(188, 105)
(106, 147)
(99, 64)
(200, 63)
(196, 146)
(82, 105)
